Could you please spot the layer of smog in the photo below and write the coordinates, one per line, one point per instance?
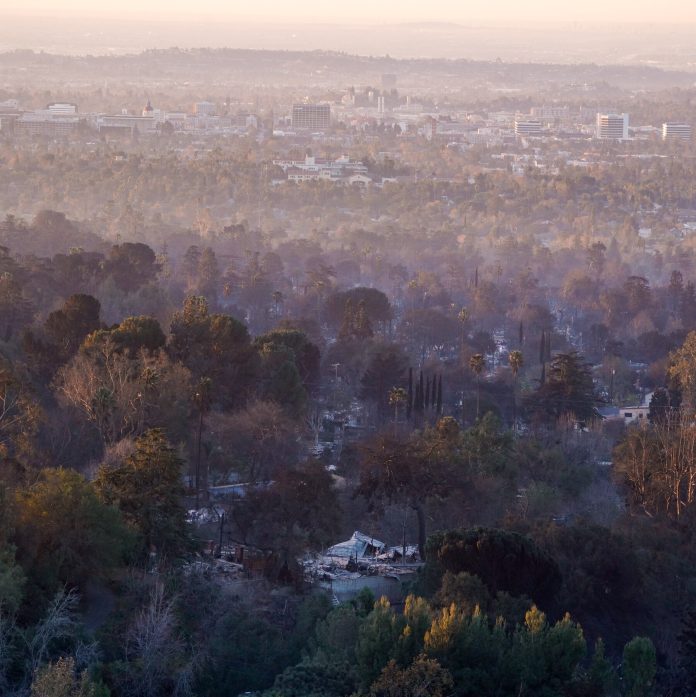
(347, 360)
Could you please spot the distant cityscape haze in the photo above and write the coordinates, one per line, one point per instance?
(71, 30)
(671, 11)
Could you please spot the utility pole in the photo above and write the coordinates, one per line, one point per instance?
(222, 525)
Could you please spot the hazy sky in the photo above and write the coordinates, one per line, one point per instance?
(666, 11)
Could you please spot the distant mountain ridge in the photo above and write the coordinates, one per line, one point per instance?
(335, 68)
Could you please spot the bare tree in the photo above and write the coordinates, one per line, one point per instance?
(155, 651)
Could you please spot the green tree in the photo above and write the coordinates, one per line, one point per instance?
(639, 667)
(12, 578)
(148, 490)
(568, 390)
(15, 308)
(12, 581)
(397, 397)
(424, 677)
(280, 380)
(516, 361)
(241, 648)
(314, 679)
(547, 657)
(463, 316)
(406, 472)
(67, 327)
(477, 365)
(472, 650)
(374, 302)
(682, 369)
(305, 354)
(687, 651)
(386, 369)
(208, 275)
(64, 533)
(215, 346)
(138, 333)
(377, 641)
(503, 560)
(131, 265)
(336, 636)
(297, 512)
(596, 259)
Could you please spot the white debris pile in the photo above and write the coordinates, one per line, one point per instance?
(215, 568)
(201, 516)
(361, 555)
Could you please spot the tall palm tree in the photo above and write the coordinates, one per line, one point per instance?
(277, 299)
(477, 364)
(463, 317)
(397, 396)
(516, 360)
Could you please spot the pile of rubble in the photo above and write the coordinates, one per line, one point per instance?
(360, 556)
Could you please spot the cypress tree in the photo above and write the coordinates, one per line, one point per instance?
(409, 398)
(438, 409)
(542, 347)
(427, 393)
(420, 394)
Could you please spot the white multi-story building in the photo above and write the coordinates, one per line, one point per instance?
(550, 112)
(204, 109)
(126, 123)
(676, 131)
(40, 123)
(318, 169)
(612, 126)
(311, 116)
(62, 109)
(527, 127)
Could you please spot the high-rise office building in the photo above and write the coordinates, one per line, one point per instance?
(315, 117)
(612, 126)
(676, 131)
